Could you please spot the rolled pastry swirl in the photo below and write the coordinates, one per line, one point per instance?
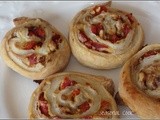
(140, 82)
(34, 48)
(103, 37)
(73, 95)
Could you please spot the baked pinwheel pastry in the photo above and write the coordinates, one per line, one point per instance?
(34, 48)
(73, 95)
(103, 37)
(140, 82)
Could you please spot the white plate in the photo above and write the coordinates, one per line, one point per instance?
(15, 90)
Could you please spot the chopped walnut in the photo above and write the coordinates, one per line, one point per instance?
(52, 46)
(101, 33)
(114, 16)
(142, 81)
(98, 9)
(141, 76)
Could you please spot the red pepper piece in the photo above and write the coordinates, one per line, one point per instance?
(84, 106)
(43, 108)
(114, 38)
(32, 59)
(40, 32)
(83, 38)
(89, 43)
(104, 8)
(75, 92)
(149, 53)
(31, 45)
(43, 105)
(67, 82)
(95, 28)
(37, 31)
(98, 46)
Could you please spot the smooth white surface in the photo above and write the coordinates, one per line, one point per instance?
(15, 90)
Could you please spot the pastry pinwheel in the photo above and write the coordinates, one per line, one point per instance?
(73, 95)
(103, 37)
(34, 48)
(139, 85)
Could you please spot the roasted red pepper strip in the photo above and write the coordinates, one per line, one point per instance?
(75, 92)
(104, 105)
(32, 45)
(32, 59)
(95, 28)
(98, 46)
(67, 82)
(89, 43)
(84, 106)
(43, 105)
(29, 45)
(37, 31)
(83, 38)
(150, 53)
(114, 38)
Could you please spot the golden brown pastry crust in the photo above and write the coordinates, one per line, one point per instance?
(108, 53)
(96, 83)
(57, 57)
(141, 93)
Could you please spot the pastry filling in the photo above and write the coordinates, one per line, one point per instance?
(43, 105)
(148, 73)
(150, 53)
(105, 29)
(72, 99)
(91, 44)
(31, 46)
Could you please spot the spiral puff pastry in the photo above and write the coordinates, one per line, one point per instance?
(103, 37)
(34, 48)
(73, 95)
(140, 82)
